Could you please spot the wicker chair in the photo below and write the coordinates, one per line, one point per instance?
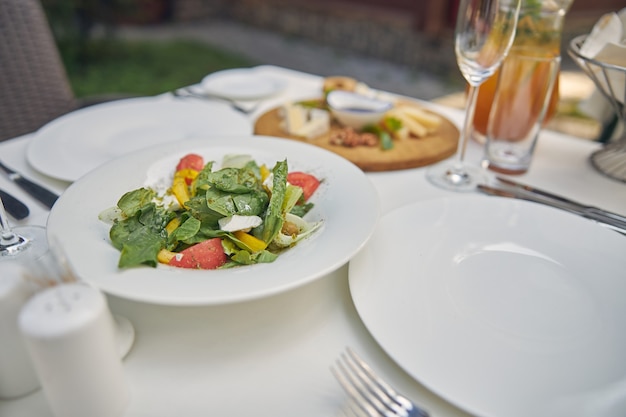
(34, 86)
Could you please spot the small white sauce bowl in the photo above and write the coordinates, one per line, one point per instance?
(356, 110)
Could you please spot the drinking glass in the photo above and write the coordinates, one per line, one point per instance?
(483, 36)
(22, 241)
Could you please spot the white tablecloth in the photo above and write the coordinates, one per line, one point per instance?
(271, 357)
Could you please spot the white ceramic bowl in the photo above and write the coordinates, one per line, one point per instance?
(356, 110)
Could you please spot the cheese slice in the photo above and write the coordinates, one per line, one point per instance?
(304, 121)
(317, 125)
(294, 117)
(428, 120)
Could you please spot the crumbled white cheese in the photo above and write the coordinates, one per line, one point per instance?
(236, 222)
(170, 202)
(159, 179)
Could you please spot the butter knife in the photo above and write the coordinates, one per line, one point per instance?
(13, 206)
(45, 196)
(608, 222)
(575, 204)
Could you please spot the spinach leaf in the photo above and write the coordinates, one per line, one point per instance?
(251, 204)
(225, 203)
(220, 202)
(246, 258)
(132, 201)
(141, 247)
(152, 218)
(199, 209)
(187, 230)
(201, 182)
(203, 234)
(233, 180)
(140, 237)
(301, 209)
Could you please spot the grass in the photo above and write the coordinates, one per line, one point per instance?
(114, 66)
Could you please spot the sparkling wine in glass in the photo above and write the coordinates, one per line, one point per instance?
(483, 36)
(22, 241)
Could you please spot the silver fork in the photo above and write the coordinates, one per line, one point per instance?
(187, 92)
(369, 395)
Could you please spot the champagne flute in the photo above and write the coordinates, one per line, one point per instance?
(483, 36)
(18, 243)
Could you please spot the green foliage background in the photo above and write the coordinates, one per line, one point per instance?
(100, 62)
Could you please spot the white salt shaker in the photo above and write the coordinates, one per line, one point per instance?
(17, 375)
(69, 332)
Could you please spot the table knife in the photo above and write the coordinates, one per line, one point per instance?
(608, 222)
(45, 196)
(575, 204)
(13, 206)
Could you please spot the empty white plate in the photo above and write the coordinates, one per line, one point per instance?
(74, 144)
(241, 84)
(502, 307)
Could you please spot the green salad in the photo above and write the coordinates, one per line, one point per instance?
(241, 214)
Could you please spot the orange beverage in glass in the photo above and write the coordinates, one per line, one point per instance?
(538, 34)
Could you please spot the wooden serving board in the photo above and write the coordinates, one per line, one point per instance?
(409, 153)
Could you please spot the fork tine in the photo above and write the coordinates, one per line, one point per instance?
(358, 404)
(356, 410)
(393, 398)
(380, 393)
(368, 393)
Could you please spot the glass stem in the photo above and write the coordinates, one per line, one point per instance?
(7, 237)
(472, 95)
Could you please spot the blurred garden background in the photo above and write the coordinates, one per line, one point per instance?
(101, 62)
(145, 47)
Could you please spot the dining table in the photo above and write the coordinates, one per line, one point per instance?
(271, 356)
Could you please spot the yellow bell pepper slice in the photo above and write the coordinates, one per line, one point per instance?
(189, 174)
(255, 244)
(172, 225)
(180, 189)
(265, 172)
(165, 256)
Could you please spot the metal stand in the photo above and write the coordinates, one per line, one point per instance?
(611, 82)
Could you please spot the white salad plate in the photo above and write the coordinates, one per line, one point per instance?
(502, 307)
(72, 145)
(241, 84)
(346, 202)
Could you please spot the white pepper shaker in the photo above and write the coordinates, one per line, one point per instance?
(17, 375)
(69, 332)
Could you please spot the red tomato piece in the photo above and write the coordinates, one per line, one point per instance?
(307, 182)
(204, 255)
(191, 161)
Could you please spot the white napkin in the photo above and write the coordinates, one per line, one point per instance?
(607, 44)
(609, 33)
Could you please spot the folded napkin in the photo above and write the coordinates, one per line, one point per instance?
(607, 40)
(606, 43)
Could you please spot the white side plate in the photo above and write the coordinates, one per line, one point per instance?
(74, 144)
(241, 84)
